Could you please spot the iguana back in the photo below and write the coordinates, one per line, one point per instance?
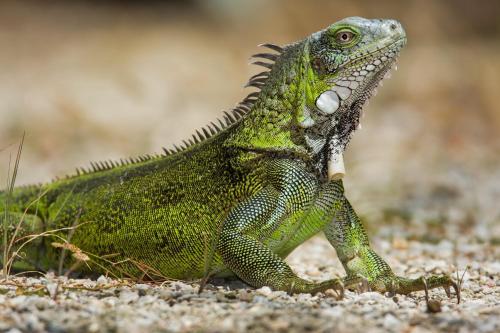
(139, 211)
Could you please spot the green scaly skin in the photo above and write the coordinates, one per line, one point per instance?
(241, 198)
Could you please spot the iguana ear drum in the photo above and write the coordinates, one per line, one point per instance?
(328, 102)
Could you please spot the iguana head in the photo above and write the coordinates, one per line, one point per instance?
(346, 63)
(311, 99)
(349, 58)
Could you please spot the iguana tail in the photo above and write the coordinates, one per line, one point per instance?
(21, 216)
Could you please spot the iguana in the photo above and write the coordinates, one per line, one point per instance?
(242, 194)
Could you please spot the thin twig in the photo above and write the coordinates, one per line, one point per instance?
(6, 222)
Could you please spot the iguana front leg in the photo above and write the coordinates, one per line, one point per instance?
(290, 189)
(347, 235)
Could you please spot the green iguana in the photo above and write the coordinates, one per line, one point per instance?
(241, 194)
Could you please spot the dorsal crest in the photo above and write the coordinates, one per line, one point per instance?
(229, 118)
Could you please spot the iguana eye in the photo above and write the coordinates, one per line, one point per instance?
(344, 36)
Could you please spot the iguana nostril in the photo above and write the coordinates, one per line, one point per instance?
(394, 26)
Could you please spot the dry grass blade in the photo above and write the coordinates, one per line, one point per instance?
(460, 280)
(77, 252)
(149, 273)
(29, 238)
(11, 180)
(20, 223)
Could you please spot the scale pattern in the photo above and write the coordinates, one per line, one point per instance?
(240, 195)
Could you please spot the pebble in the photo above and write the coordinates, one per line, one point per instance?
(245, 296)
(434, 306)
(391, 322)
(264, 291)
(14, 330)
(177, 306)
(128, 296)
(52, 289)
(101, 280)
(331, 293)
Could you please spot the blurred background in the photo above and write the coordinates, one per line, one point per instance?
(93, 80)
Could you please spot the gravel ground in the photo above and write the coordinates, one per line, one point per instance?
(424, 169)
(57, 304)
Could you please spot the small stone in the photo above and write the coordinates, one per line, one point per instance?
(245, 296)
(231, 294)
(183, 287)
(110, 301)
(486, 290)
(264, 291)
(52, 289)
(335, 311)
(416, 320)
(166, 294)
(433, 306)
(14, 330)
(399, 243)
(391, 322)
(490, 283)
(303, 297)
(372, 296)
(332, 293)
(102, 280)
(142, 289)
(93, 327)
(278, 325)
(220, 297)
(128, 296)
(89, 283)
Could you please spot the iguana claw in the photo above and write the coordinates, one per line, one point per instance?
(406, 286)
(400, 285)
